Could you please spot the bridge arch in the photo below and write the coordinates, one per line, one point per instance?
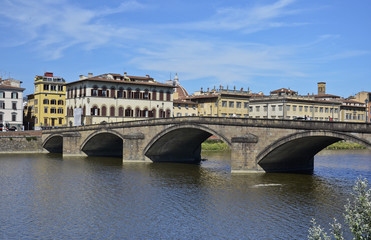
(296, 152)
(103, 143)
(180, 143)
(53, 143)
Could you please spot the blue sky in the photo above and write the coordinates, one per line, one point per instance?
(258, 44)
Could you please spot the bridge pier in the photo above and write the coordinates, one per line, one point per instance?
(132, 149)
(71, 144)
(243, 156)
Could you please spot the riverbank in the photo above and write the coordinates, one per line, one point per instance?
(342, 145)
(219, 145)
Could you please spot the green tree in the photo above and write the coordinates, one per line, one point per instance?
(357, 216)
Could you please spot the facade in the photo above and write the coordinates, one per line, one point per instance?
(353, 111)
(11, 104)
(116, 98)
(184, 108)
(222, 102)
(365, 97)
(46, 106)
(294, 107)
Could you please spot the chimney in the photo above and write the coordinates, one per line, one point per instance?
(321, 88)
(90, 75)
(125, 73)
(147, 76)
(202, 90)
(81, 77)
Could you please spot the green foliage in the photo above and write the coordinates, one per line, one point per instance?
(345, 145)
(214, 145)
(357, 216)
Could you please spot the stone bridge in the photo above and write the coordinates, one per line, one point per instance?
(256, 144)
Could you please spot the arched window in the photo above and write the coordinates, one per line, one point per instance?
(60, 102)
(153, 113)
(112, 111)
(145, 113)
(46, 101)
(161, 114)
(120, 93)
(104, 111)
(128, 112)
(121, 111)
(137, 112)
(53, 102)
(168, 113)
(94, 111)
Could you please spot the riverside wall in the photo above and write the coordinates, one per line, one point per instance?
(21, 142)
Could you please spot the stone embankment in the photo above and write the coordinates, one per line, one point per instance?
(21, 142)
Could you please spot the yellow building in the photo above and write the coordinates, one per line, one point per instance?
(222, 102)
(46, 107)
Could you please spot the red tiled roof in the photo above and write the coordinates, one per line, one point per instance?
(181, 92)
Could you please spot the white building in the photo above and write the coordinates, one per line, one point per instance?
(116, 98)
(11, 104)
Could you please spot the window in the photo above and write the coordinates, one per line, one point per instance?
(112, 111)
(1, 117)
(36, 110)
(14, 117)
(280, 107)
(53, 110)
(288, 107)
(46, 87)
(2, 94)
(311, 109)
(53, 102)
(238, 104)
(60, 102)
(265, 108)
(231, 104)
(2, 105)
(294, 108)
(60, 121)
(14, 95)
(14, 105)
(104, 111)
(300, 108)
(321, 109)
(245, 105)
(224, 103)
(258, 108)
(60, 110)
(326, 110)
(273, 108)
(60, 88)
(251, 109)
(45, 109)
(46, 101)
(186, 106)
(316, 109)
(53, 87)
(336, 110)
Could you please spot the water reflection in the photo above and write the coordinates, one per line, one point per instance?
(47, 196)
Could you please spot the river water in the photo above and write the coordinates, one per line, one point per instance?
(50, 197)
